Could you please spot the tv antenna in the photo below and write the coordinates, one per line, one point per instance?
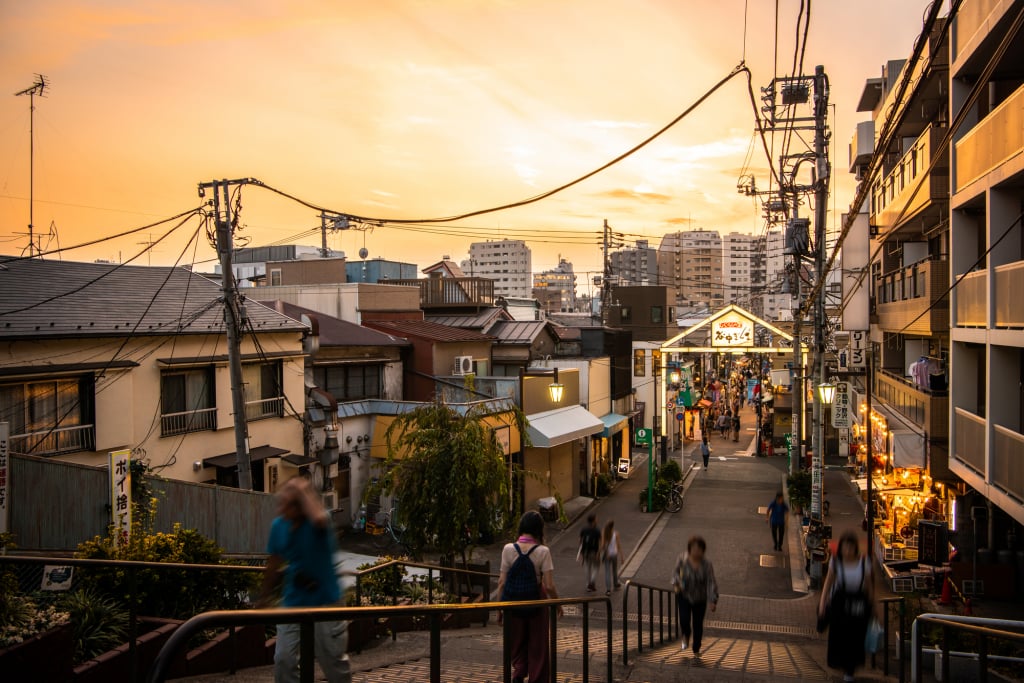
(37, 88)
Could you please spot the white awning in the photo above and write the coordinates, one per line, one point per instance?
(907, 448)
(562, 425)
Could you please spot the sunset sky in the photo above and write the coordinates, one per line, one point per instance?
(402, 109)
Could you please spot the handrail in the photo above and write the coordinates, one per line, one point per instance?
(666, 596)
(978, 626)
(309, 616)
(885, 602)
(417, 565)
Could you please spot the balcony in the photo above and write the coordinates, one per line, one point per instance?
(264, 408)
(172, 424)
(995, 140)
(452, 292)
(1008, 461)
(970, 440)
(974, 18)
(971, 300)
(928, 410)
(55, 441)
(895, 198)
(1009, 309)
(913, 291)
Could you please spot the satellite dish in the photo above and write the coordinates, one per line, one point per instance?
(364, 252)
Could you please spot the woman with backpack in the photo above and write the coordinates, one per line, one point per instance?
(528, 573)
(847, 604)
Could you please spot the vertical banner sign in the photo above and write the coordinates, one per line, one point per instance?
(685, 388)
(789, 450)
(816, 471)
(841, 406)
(121, 493)
(5, 477)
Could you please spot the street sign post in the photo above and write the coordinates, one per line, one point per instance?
(645, 437)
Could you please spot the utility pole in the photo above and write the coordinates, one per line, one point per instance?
(36, 88)
(606, 276)
(822, 175)
(234, 318)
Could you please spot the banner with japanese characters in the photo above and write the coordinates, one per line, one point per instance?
(5, 477)
(121, 493)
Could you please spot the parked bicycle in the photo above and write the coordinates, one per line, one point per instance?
(388, 533)
(673, 501)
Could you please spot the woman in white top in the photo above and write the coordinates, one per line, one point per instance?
(848, 599)
(610, 551)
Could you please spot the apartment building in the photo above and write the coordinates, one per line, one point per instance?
(560, 279)
(776, 298)
(635, 266)
(508, 262)
(987, 263)
(743, 269)
(690, 262)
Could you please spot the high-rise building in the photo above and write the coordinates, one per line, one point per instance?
(560, 279)
(986, 259)
(634, 266)
(743, 270)
(508, 262)
(776, 299)
(690, 262)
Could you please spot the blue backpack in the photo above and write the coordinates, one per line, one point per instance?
(521, 583)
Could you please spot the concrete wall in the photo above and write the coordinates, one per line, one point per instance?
(347, 301)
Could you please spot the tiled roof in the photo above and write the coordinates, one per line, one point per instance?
(59, 299)
(517, 331)
(425, 329)
(335, 331)
(474, 321)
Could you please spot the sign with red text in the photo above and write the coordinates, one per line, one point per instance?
(732, 330)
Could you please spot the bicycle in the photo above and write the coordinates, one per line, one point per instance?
(673, 502)
(386, 534)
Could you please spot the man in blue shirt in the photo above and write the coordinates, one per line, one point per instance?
(301, 547)
(777, 519)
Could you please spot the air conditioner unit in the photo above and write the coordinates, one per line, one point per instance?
(463, 365)
(331, 500)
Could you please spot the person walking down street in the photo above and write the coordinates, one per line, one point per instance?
(301, 548)
(776, 518)
(696, 590)
(610, 551)
(590, 547)
(847, 603)
(736, 425)
(705, 451)
(528, 572)
(723, 423)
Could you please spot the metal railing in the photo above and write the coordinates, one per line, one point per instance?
(203, 419)
(667, 616)
(308, 617)
(264, 408)
(1009, 310)
(397, 565)
(969, 443)
(971, 296)
(1008, 461)
(131, 568)
(983, 629)
(902, 614)
(55, 441)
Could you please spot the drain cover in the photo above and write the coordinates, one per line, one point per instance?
(763, 510)
(771, 561)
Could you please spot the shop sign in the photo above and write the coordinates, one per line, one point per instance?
(732, 330)
(624, 467)
(932, 543)
(5, 473)
(121, 493)
(643, 436)
(842, 418)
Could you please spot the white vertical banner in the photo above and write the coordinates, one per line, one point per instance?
(5, 477)
(855, 261)
(121, 493)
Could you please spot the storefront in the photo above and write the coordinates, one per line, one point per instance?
(612, 445)
(557, 450)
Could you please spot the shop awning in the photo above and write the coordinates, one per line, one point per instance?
(613, 424)
(562, 425)
(907, 448)
(255, 455)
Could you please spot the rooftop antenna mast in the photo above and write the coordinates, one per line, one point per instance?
(36, 88)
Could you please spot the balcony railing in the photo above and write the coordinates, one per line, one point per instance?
(997, 138)
(440, 292)
(264, 408)
(908, 299)
(1009, 303)
(970, 440)
(1008, 461)
(895, 197)
(971, 300)
(172, 424)
(928, 410)
(971, 16)
(55, 441)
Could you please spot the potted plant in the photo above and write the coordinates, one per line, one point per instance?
(799, 488)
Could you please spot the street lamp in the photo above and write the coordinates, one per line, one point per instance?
(555, 390)
(827, 393)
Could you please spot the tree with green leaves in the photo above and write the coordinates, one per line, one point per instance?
(449, 475)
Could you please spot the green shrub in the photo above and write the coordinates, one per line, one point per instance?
(662, 490)
(99, 623)
(671, 471)
(382, 586)
(24, 619)
(604, 484)
(799, 487)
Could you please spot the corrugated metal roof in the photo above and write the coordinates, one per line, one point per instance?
(517, 331)
(335, 331)
(476, 321)
(375, 406)
(58, 299)
(425, 329)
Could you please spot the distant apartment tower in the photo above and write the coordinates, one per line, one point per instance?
(635, 266)
(508, 262)
(743, 269)
(776, 299)
(690, 262)
(560, 279)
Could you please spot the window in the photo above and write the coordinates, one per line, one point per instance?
(639, 363)
(625, 314)
(275, 277)
(187, 402)
(49, 417)
(263, 395)
(349, 382)
(657, 314)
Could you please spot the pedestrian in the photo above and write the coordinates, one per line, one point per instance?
(776, 518)
(696, 589)
(705, 451)
(847, 604)
(724, 421)
(529, 634)
(610, 551)
(736, 425)
(590, 547)
(301, 548)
